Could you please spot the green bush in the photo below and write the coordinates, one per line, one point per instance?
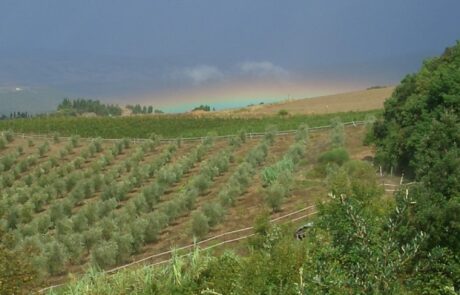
(200, 226)
(214, 213)
(56, 257)
(56, 138)
(275, 194)
(283, 113)
(338, 156)
(43, 149)
(104, 254)
(74, 141)
(302, 133)
(9, 136)
(337, 133)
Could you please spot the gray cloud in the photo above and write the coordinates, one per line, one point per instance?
(200, 74)
(263, 69)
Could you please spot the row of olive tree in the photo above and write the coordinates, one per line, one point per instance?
(213, 212)
(99, 226)
(277, 179)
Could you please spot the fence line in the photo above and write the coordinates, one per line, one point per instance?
(113, 270)
(249, 134)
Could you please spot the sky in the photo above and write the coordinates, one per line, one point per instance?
(181, 52)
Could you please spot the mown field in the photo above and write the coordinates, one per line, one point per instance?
(83, 203)
(169, 126)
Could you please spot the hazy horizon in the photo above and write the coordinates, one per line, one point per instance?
(172, 54)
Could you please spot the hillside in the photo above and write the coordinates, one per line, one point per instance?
(108, 203)
(363, 100)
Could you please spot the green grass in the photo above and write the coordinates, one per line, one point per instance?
(168, 126)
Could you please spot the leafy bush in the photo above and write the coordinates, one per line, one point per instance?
(56, 138)
(283, 113)
(337, 133)
(56, 257)
(271, 173)
(338, 156)
(43, 149)
(104, 254)
(270, 133)
(214, 213)
(9, 136)
(200, 226)
(74, 141)
(302, 133)
(275, 194)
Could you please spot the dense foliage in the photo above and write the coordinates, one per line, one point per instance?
(168, 126)
(419, 135)
(138, 109)
(202, 107)
(81, 106)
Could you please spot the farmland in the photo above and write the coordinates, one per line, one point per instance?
(92, 202)
(168, 126)
(82, 215)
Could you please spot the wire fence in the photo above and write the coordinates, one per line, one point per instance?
(194, 245)
(200, 138)
(224, 242)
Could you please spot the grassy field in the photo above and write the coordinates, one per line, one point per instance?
(357, 101)
(169, 126)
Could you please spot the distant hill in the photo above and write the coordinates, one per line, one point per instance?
(29, 99)
(363, 100)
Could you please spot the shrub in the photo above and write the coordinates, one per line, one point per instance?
(56, 212)
(337, 133)
(137, 230)
(9, 136)
(63, 153)
(272, 173)
(338, 156)
(2, 143)
(153, 228)
(270, 134)
(92, 237)
(43, 223)
(56, 138)
(214, 213)
(85, 154)
(201, 183)
(74, 141)
(171, 210)
(283, 113)
(56, 257)
(104, 254)
(275, 195)
(200, 225)
(296, 152)
(234, 141)
(74, 246)
(124, 242)
(242, 135)
(155, 138)
(302, 133)
(43, 149)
